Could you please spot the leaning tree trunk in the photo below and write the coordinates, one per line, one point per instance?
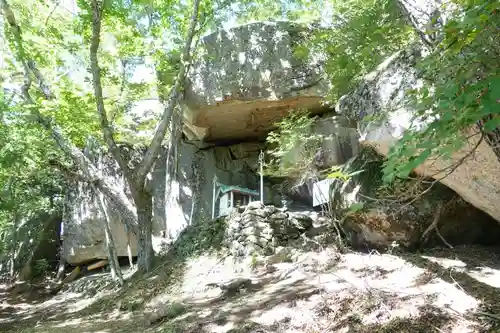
(116, 272)
(61, 266)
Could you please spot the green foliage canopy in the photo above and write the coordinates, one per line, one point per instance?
(362, 34)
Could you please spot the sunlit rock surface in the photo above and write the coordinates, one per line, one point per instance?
(247, 79)
(189, 198)
(383, 92)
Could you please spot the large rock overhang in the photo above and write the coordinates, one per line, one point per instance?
(247, 79)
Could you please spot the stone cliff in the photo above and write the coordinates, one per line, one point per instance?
(247, 80)
(190, 198)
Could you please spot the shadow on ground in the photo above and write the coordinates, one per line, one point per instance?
(314, 291)
(473, 269)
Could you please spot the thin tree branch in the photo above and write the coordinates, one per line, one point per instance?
(52, 12)
(107, 131)
(450, 169)
(173, 98)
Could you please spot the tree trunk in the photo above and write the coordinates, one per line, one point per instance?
(172, 158)
(12, 255)
(116, 272)
(13, 252)
(144, 203)
(172, 101)
(62, 266)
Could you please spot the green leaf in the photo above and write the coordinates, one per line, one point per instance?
(355, 207)
(491, 124)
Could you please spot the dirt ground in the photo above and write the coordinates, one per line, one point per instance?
(444, 290)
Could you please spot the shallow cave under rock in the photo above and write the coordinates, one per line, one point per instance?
(408, 214)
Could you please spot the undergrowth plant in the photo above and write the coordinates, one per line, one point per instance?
(203, 236)
(293, 145)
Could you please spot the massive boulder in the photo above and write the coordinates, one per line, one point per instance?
(189, 198)
(408, 213)
(247, 79)
(383, 93)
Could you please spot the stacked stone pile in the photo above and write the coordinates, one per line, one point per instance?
(258, 228)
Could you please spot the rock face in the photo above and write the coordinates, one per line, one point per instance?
(258, 228)
(458, 223)
(82, 230)
(247, 80)
(388, 217)
(189, 198)
(383, 93)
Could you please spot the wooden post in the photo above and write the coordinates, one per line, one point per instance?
(261, 162)
(213, 197)
(232, 200)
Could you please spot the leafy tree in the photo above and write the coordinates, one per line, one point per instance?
(271, 10)
(293, 146)
(30, 186)
(65, 64)
(358, 36)
(354, 37)
(45, 102)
